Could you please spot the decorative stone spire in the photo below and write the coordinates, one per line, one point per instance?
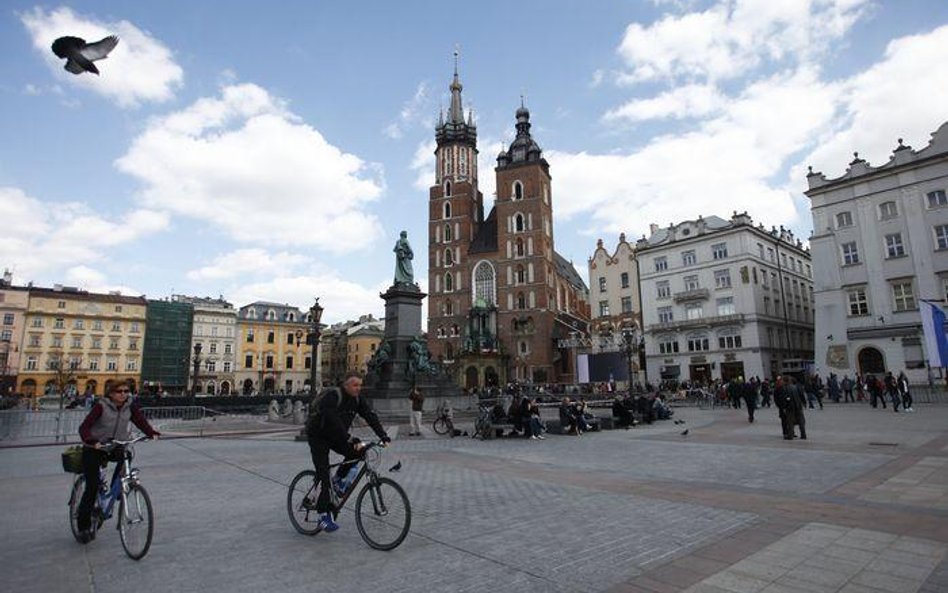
(454, 128)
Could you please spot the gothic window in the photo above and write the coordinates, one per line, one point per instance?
(448, 282)
(518, 223)
(519, 247)
(455, 330)
(447, 205)
(463, 161)
(521, 301)
(521, 275)
(446, 160)
(448, 235)
(448, 257)
(484, 283)
(517, 190)
(441, 332)
(448, 308)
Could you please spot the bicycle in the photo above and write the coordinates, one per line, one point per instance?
(136, 517)
(382, 510)
(444, 423)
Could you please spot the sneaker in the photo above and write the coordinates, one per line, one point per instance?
(533, 437)
(327, 524)
(541, 437)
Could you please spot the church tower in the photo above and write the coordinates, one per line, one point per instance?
(455, 209)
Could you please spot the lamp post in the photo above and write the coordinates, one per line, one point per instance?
(631, 342)
(197, 368)
(315, 313)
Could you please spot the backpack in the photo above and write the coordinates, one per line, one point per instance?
(315, 418)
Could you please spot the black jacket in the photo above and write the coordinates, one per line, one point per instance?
(332, 414)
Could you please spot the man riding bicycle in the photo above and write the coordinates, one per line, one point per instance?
(107, 420)
(327, 428)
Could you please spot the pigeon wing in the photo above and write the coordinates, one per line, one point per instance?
(100, 49)
(65, 46)
(74, 67)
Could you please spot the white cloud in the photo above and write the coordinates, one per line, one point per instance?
(341, 298)
(693, 100)
(84, 276)
(892, 99)
(243, 163)
(139, 69)
(724, 164)
(733, 37)
(43, 238)
(247, 262)
(414, 110)
(423, 164)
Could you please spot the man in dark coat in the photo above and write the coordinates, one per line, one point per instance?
(799, 403)
(784, 400)
(749, 393)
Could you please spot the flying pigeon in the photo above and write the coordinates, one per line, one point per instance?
(684, 433)
(80, 55)
(395, 467)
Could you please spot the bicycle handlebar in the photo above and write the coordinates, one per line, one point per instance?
(110, 445)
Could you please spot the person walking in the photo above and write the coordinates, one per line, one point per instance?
(749, 393)
(847, 385)
(892, 390)
(875, 391)
(783, 399)
(417, 407)
(799, 404)
(903, 387)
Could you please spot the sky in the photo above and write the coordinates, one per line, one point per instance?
(275, 151)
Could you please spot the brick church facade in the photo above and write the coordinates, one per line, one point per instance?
(500, 297)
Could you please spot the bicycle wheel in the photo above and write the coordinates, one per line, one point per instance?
(74, 497)
(136, 522)
(441, 426)
(383, 514)
(301, 503)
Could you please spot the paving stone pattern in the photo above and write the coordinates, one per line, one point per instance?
(731, 508)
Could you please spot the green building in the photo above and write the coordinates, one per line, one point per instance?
(167, 354)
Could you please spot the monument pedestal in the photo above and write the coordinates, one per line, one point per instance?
(389, 385)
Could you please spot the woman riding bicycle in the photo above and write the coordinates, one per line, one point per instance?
(107, 420)
(327, 428)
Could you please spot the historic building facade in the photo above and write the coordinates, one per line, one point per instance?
(362, 340)
(273, 353)
(14, 301)
(213, 345)
(881, 244)
(79, 342)
(724, 298)
(499, 294)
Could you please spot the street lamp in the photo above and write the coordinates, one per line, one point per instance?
(315, 313)
(630, 338)
(197, 368)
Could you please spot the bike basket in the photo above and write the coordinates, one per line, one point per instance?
(72, 460)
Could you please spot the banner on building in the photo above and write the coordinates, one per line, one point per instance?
(933, 326)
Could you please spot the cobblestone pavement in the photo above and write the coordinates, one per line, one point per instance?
(730, 507)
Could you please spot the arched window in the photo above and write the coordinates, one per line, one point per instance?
(484, 283)
(448, 234)
(447, 205)
(455, 330)
(448, 257)
(521, 301)
(447, 192)
(271, 315)
(448, 308)
(518, 223)
(441, 332)
(521, 275)
(449, 350)
(448, 282)
(517, 190)
(519, 247)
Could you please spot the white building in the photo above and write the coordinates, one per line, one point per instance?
(214, 328)
(723, 298)
(881, 243)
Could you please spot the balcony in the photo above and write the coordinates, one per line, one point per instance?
(703, 322)
(698, 294)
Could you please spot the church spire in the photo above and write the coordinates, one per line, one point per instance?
(453, 127)
(456, 115)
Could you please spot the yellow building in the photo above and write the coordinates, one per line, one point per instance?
(361, 344)
(78, 342)
(272, 354)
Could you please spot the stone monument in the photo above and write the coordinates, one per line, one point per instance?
(401, 360)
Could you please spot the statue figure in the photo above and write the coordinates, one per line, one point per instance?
(403, 257)
(287, 408)
(299, 415)
(418, 358)
(273, 411)
(382, 355)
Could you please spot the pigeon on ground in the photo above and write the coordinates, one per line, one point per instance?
(395, 467)
(79, 55)
(684, 433)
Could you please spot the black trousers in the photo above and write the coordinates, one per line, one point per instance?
(92, 460)
(319, 450)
